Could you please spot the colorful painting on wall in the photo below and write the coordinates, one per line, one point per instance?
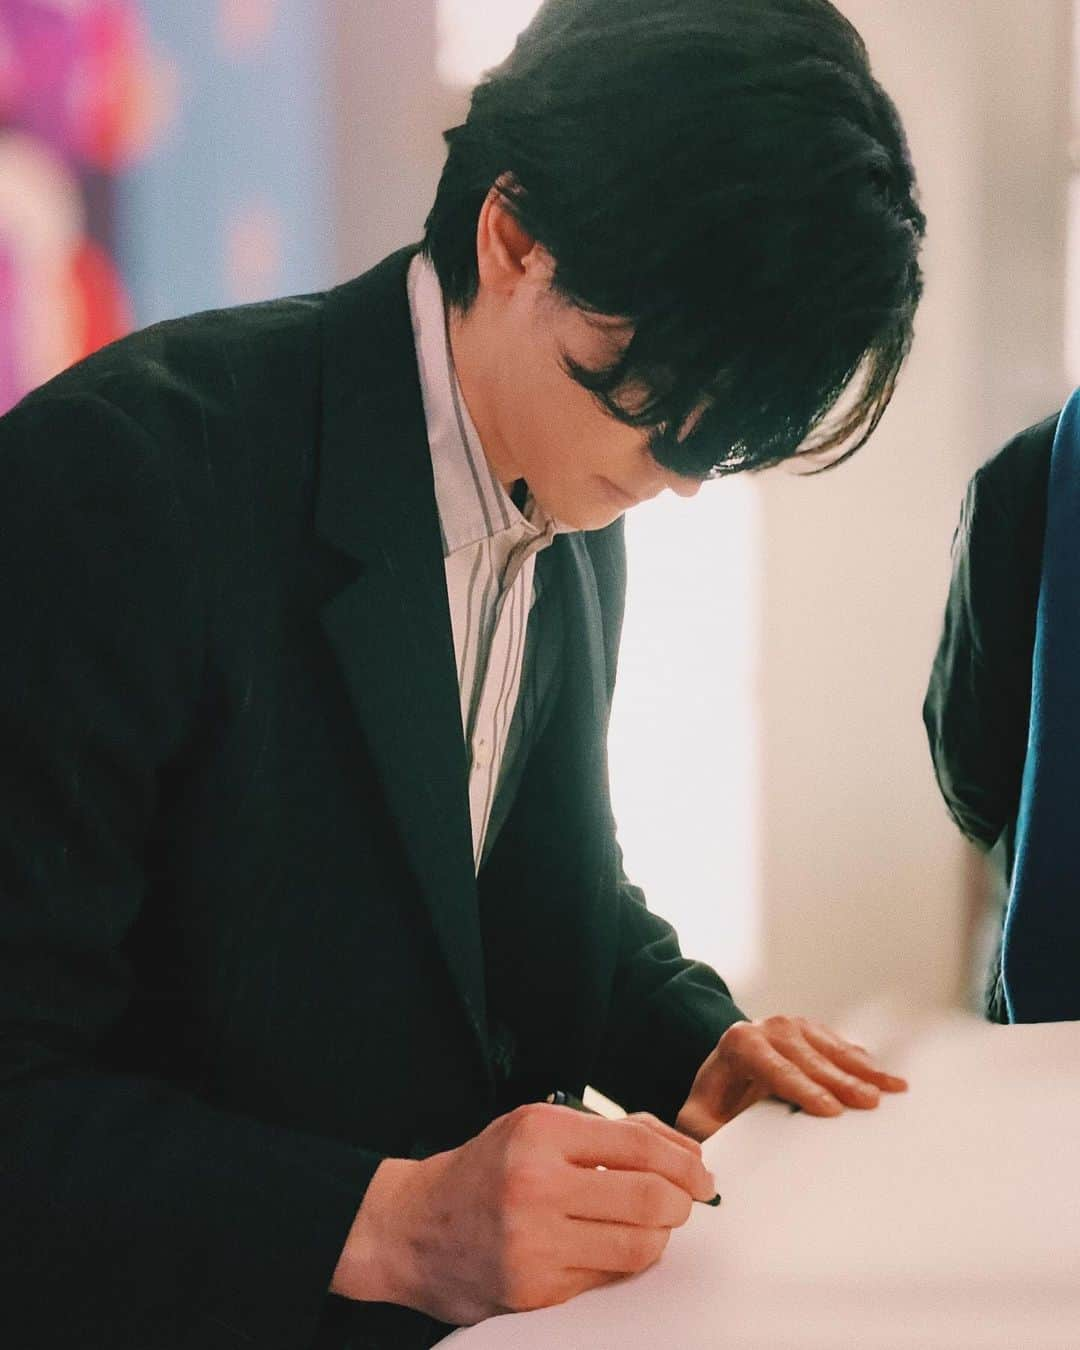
(156, 157)
(82, 97)
(234, 203)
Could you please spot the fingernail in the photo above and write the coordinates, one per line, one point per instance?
(714, 1201)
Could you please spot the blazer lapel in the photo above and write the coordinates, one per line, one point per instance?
(390, 628)
(585, 628)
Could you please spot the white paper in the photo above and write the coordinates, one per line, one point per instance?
(948, 1218)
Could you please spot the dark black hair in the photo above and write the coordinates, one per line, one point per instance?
(728, 177)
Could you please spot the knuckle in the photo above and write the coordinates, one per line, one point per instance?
(514, 1229)
(641, 1249)
(739, 1033)
(629, 1247)
(528, 1119)
(522, 1285)
(782, 1026)
(523, 1186)
(524, 1297)
(691, 1176)
(642, 1143)
(533, 1286)
(522, 1293)
(643, 1200)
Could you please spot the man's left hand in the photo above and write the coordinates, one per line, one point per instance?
(797, 1060)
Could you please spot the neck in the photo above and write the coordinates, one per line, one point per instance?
(469, 349)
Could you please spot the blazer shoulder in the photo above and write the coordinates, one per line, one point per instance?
(1018, 473)
(1004, 508)
(176, 378)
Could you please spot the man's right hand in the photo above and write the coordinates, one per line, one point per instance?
(519, 1217)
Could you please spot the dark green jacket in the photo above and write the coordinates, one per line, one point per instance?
(978, 701)
(243, 954)
(979, 696)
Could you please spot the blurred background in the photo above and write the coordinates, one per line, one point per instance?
(770, 772)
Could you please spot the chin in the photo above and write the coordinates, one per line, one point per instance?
(601, 520)
(586, 517)
(580, 512)
(581, 507)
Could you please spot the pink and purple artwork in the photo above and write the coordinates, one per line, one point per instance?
(82, 95)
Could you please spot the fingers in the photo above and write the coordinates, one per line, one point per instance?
(618, 1249)
(699, 1119)
(664, 1130)
(751, 1093)
(633, 1146)
(806, 1064)
(783, 1076)
(578, 1280)
(667, 1131)
(638, 1198)
(846, 1088)
(854, 1058)
(554, 1282)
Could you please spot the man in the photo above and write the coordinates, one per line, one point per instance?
(290, 962)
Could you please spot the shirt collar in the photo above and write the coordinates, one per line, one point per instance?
(472, 503)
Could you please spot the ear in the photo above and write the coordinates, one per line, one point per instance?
(507, 255)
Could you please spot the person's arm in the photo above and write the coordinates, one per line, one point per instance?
(676, 1043)
(667, 1014)
(978, 701)
(667, 1011)
(543, 1204)
(131, 1213)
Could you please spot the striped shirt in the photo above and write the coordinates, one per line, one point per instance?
(489, 547)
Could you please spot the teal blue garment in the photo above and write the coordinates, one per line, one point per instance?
(1041, 947)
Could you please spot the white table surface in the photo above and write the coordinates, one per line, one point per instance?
(947, 1219)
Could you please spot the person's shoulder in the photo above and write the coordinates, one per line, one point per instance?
(190, 371)
(1018, 472)
(196, 353)
(1003, 518)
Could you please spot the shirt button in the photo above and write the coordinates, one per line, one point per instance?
(481, 753)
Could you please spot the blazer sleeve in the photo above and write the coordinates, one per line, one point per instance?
(978, 700)
(131, 1213)
(667, 1011)
(666, 1015)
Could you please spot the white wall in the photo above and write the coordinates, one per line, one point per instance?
(865, 879)
(390, 111)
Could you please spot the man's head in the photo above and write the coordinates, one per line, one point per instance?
(672, 233)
